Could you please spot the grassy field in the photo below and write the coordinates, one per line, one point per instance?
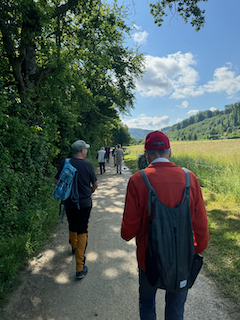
(217, 166)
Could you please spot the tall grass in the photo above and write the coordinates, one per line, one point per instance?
(217, 167)
(215, 163)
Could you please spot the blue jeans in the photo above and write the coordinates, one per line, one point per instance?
(174, 301)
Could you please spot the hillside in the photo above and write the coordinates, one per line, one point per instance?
(208, 125)
(205, 125)
(141, 133)
(138, 133)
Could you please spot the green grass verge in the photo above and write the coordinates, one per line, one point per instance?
(221, 195)
(39, 221)
(222, 257)
(40, 218)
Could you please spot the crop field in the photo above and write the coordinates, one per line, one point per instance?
(215, 163)
(217, 167)
(223, 151)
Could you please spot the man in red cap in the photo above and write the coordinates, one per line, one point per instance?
(169, 182)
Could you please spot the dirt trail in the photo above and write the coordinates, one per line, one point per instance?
(49, 290)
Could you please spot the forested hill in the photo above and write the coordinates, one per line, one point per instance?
(208, 125)
(138, 133)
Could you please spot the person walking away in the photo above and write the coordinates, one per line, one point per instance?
(107, 149)
(114, 155)
(78, 216)
(101, 159)
(168, 180)
(119, 158)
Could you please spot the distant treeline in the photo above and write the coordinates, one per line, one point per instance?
(208, 125)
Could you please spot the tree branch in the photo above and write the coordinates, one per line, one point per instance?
(43, 73)
(65, 7)
(16, 62)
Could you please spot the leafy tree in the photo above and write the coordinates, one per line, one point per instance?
(228, 109)
(209, 113)
(187, 9)
(121, 135)
(200, 117)
(213, 131)
(66, 74)
(70, 69)
(191, 120)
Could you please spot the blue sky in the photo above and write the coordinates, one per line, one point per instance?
(187, 71)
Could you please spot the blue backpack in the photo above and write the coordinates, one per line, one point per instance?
(67, 186)
(63, 188)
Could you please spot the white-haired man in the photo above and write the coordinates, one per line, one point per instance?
(168, 180)
(101, 156)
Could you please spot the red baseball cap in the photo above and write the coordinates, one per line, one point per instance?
(156, 140)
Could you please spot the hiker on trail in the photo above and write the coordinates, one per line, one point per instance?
(114, 155)
(119, 154)
(101, 156)
(107, 149)
(169, 182)
(78, 218)
(142, 161)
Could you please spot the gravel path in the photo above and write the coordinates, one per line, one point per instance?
(49, 290)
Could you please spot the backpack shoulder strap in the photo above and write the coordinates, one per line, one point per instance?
(187, 186)
(75, 192)
(150, 190)
(145, 178)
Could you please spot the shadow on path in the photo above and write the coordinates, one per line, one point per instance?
(49, 290)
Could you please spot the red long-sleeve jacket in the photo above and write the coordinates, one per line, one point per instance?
(169, 182)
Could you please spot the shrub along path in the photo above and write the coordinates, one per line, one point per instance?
(49, 290)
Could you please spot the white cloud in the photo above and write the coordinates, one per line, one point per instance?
(192, 112)
(175, 75)
(145, 122)
(168, 75)
(179, 120)
(213, 109)
(140, 37)
(223, 80)
(183, 105)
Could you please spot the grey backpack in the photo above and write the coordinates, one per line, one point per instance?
(170, 257)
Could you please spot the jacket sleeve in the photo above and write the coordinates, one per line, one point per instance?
(131, 221)
(199, 219)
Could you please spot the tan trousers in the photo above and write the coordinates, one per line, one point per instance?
(78, 229)
(79, 244)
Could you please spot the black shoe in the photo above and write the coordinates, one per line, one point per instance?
(117, 171)
(120, 172)
(81, 274)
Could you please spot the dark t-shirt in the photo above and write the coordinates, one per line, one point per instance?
(86, 178)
